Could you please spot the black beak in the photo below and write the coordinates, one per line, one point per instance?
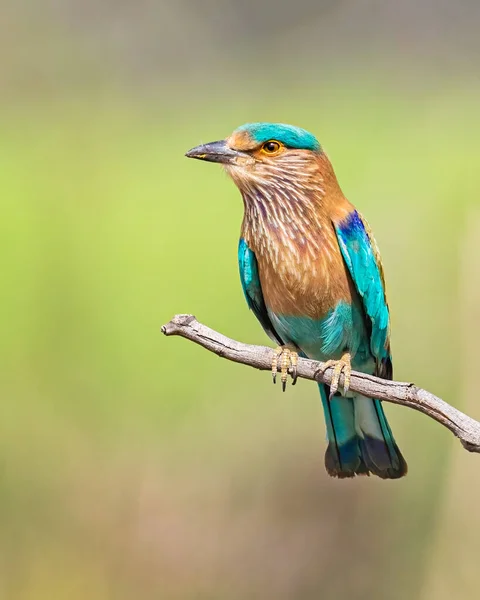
(218, 152)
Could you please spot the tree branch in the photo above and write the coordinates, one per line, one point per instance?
(405, 394)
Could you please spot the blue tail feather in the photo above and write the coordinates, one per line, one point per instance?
(360, 440)
(343, 455)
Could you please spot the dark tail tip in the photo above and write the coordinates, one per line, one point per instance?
(364, 457)
(385, 461)
(344, 461)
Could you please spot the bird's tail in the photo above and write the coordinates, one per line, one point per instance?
(360, 440)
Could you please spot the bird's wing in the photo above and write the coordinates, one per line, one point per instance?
(253, 289)
(361, 255)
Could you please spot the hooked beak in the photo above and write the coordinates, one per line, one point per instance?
(218, 152)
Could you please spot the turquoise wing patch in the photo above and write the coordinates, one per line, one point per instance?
(361, 256)
(252, 288)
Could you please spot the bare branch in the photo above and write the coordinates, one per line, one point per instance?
(405, 394)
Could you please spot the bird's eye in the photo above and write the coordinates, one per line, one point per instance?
(271, 147)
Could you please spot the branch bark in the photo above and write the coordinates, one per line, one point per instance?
(405, 394)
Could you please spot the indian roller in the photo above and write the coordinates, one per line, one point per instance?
(311, 272)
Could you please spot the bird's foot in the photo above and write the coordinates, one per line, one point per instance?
(287, 359)
(339, 366)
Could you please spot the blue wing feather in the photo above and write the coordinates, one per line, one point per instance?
(361, 256)
(253, 290)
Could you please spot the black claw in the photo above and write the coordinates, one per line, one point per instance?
(274, 378)
(294, 375)
(284, 386)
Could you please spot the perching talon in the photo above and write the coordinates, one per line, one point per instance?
(339, 366)
(288, 363)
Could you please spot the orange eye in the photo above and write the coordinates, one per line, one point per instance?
(271, 147)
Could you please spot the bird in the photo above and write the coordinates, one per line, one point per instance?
(311, 273)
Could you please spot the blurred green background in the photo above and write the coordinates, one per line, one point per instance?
(133, 466)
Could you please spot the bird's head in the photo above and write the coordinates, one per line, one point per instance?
(261, 155)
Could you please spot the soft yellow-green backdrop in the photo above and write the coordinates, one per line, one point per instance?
(133, 466)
